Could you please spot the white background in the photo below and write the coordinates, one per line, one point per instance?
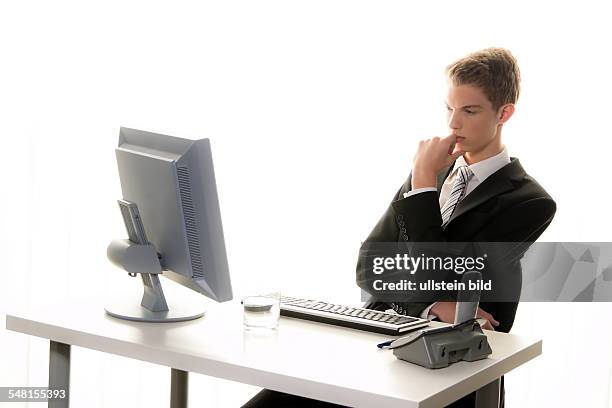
(314, 110)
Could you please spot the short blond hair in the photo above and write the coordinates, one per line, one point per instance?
(494, 70)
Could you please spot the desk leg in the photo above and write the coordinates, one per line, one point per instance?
(179, 382)
(488, 396)
(59, 372)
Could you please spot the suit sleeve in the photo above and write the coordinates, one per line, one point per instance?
(387, 230)
(427, 227)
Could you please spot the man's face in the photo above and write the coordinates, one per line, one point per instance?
(471, 118)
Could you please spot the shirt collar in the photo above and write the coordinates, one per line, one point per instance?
(486, 167)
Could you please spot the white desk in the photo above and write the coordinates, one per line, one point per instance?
(310, 359)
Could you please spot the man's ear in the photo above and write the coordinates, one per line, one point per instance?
(505, 112)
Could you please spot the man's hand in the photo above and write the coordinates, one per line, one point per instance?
(432, 156)
(445, 311)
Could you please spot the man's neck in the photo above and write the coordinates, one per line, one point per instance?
(490, 150)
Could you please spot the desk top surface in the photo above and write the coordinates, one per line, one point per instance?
(316, 360)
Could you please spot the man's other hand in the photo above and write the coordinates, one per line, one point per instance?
(445, 312)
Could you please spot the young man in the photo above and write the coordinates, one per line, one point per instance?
(463, 188)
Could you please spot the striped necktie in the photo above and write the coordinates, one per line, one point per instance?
(457, 192)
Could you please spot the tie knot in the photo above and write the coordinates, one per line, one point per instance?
(464, 172)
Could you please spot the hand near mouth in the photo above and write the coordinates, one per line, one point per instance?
(432, 156)
(458, 139)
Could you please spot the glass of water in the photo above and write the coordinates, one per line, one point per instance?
(261, 311)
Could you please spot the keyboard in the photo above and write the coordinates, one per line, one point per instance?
(348, 316)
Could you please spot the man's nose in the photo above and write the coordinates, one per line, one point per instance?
(453, 121)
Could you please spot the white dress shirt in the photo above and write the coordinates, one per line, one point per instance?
(481, 170)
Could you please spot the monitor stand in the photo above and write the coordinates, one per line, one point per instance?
(153, 307)
(135, 256)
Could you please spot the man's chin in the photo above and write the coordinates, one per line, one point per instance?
(462, 146)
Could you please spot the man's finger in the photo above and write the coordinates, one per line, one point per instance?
(492, 320)
(456, 155)
(450, 139)
(488, 316)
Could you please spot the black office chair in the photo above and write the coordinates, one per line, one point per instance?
(268, 398)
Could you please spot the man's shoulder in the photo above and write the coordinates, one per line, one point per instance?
(524, 183)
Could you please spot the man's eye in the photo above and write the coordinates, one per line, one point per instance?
(469, 112)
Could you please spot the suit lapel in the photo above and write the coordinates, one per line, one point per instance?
(496, 184)
(481, 194)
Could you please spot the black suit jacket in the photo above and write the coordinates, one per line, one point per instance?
(509, 206)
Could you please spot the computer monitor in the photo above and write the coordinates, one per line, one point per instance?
(171, 210)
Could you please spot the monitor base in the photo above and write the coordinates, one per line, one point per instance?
(137, 313)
